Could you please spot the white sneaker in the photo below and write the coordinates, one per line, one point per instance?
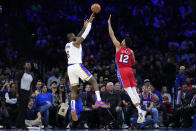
(68, 126)
(125, 126)
(85, 125)
(141, 117)
(156, 125)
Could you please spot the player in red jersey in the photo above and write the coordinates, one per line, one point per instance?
(125, 59)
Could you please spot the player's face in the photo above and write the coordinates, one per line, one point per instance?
(72, 37)
(123, 42)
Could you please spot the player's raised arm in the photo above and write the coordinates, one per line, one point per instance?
(86, 32)
(112, 36)
(83, 29)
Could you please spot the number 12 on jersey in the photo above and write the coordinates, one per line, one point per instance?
(124, 58)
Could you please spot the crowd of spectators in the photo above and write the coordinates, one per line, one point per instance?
(163, 32)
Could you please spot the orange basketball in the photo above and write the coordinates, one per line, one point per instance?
(96, 8)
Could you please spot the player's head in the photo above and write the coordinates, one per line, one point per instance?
(127, 42)
(71, 36)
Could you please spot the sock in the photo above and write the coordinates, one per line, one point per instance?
(98, 95)
(131, 95)
(139, 109)
(135, 94)
(73, 104)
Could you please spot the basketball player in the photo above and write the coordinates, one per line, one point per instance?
(125, 59)
(76, 69)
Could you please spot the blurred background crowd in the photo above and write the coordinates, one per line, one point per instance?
(163, 32)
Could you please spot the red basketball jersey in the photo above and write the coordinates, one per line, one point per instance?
(125, 57)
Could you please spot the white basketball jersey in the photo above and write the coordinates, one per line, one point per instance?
(74, 54)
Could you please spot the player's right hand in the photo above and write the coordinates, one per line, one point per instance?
(109, 19)
(92, 17)
(86, 23)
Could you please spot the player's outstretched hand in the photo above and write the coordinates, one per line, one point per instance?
(109, 19)
(91, 17)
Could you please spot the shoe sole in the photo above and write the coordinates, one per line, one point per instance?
(102, 106)
(74, 116)
(141, 121)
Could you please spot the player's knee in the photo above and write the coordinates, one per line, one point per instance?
(92, 81)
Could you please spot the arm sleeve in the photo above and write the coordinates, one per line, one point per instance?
(10, 101)
(87, 30)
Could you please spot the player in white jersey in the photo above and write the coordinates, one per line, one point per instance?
(76, 69)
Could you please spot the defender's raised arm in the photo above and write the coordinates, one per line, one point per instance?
(112, 36)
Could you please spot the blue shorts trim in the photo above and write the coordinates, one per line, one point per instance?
(119, 76)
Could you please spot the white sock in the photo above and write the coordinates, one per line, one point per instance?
(133, 98)
(139, 109)
(73, 104)
(136, 94)
(131, 95)
(98, 95)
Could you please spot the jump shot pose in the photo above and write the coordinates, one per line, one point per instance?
(125, 59)
(76, 69)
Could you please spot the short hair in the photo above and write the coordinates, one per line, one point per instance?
(128, 42)
(69, 35)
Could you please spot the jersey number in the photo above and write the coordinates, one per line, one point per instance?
(124, 58)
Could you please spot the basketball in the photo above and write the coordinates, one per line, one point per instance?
(96, 8)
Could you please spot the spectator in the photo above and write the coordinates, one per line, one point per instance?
(102, 90)
(32, 117)
(147, 103)
(11, 103)
(55, 100)
(63, 98)
(38, 88)
(180, 81)
(165, 95)
(55, 77)
(184, 111)
(118, 87)
(113, 98)
(5, 120)
(43, 103)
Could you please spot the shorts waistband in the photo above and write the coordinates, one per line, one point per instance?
(73, 64)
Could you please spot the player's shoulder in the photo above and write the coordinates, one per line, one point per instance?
(69, 43)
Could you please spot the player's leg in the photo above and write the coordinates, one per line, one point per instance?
(74, 95)
(124, 76)
(74, 82)
(136, 94)
(85, 75)
(141, 113)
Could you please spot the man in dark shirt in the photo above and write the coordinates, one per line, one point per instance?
(32, 117)
(113, 98)
(185, 110)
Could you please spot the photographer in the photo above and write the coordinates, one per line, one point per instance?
(11, 103)
(4, 116)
